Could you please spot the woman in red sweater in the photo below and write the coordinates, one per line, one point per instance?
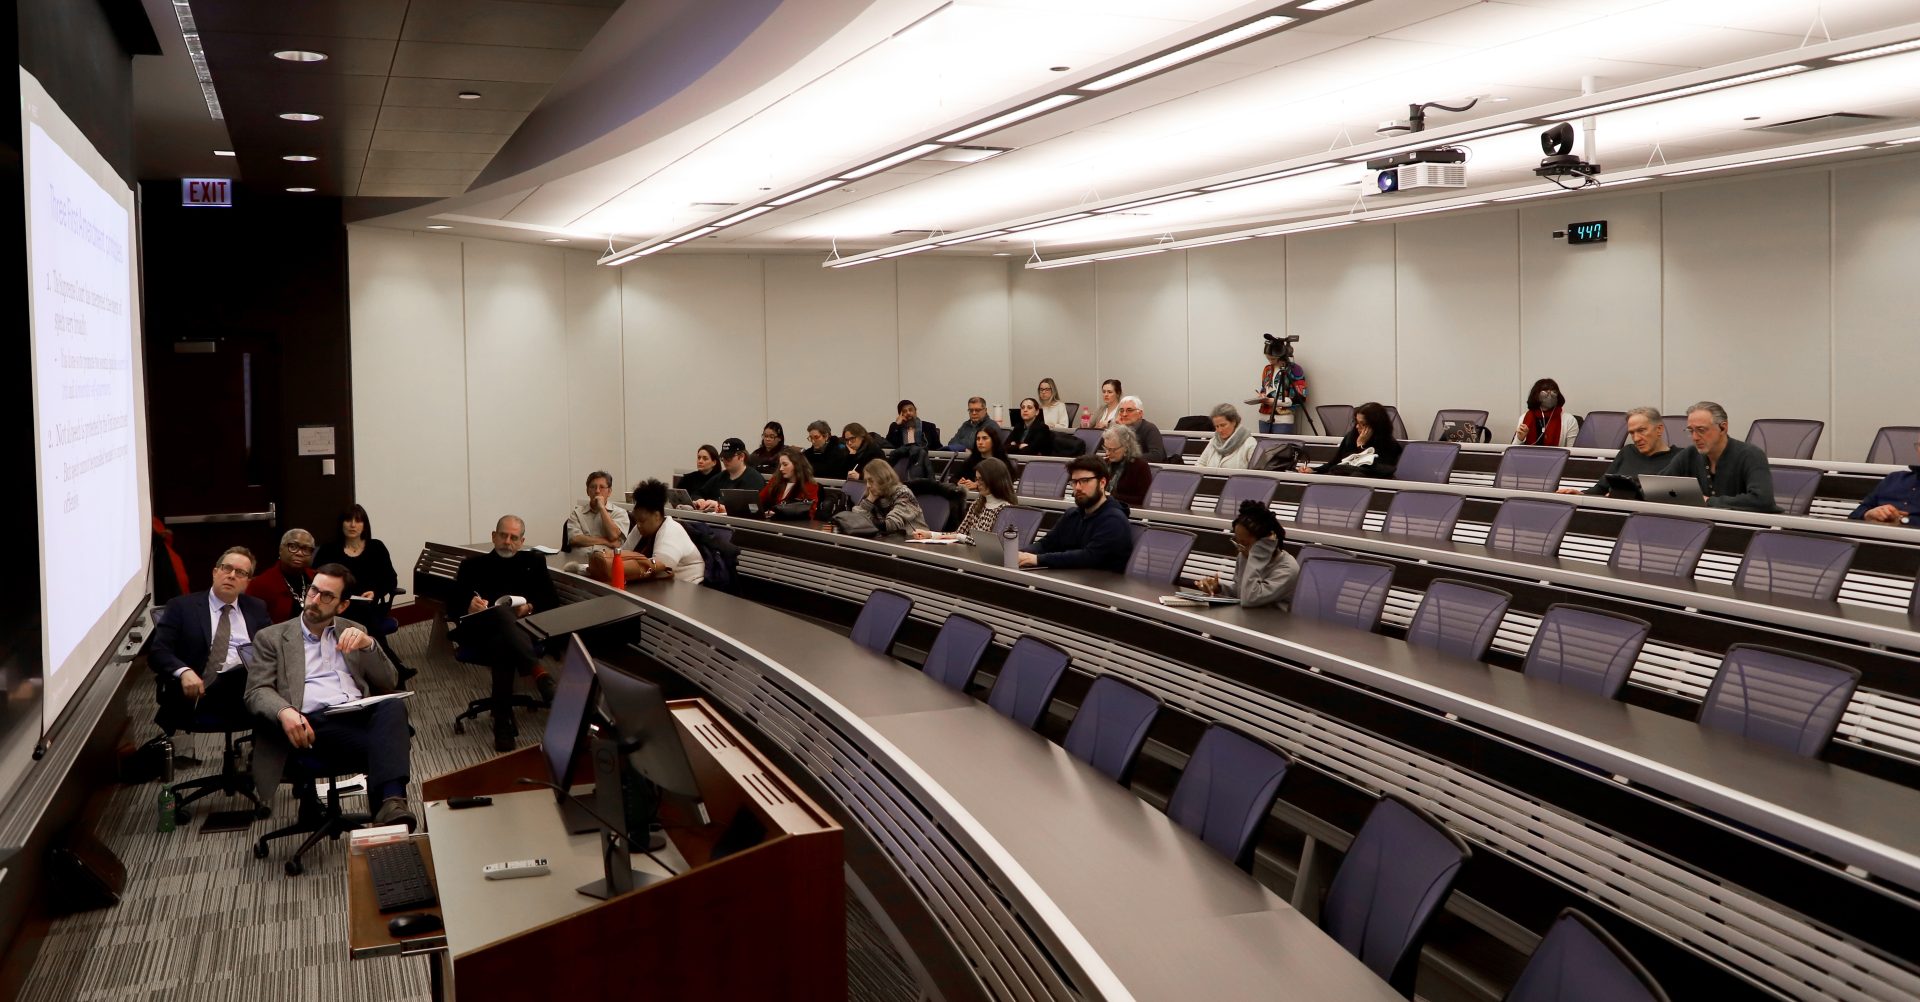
(791, 492)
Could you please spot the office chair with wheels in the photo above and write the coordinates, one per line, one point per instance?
(1602, 430)
(1333, 506)
(1577, 961)
(1791, 701)
(317, 819)
(1785, 438)
(1427, 462)
(1793, 488)
(1586, 648)
(1423, 515)
(1172, 490)
(1458, 618)
(1530, 468)
(1397, 873)
(1226, 790)
(1346, 592)
(1531, 527)
(1027, 680)
(880, 620)
(1111, 725)
(957, 650)
(1660, 544)
(1796, 565)
(1159, 554)
(1238, 488)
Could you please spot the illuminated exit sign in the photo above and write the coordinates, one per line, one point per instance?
(206, 191)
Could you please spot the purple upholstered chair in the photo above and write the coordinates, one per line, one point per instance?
(1172, 490)
(1043, 479)
(1790, 563)
(1027, 679)
(1458, 618)
(1244, 487)
(1660, 544)
(1423, 515)
(1427, 462)
(1176, 446)
(1785, 438)
(1348, 592)
(1676, 429)
(1158, 555)
(1111, 725)
(880, 620)
(1793, 488)
(1586, 648)
(1530, 468)
(1526, 526)
(1787, 700)
(1226, 790)
(1335, 419)
(1577, 961)
(1399, 426)
(1333, 506)
(1602, 430)
(1091, 436)
(1894, 444)
(1397, 873)
(956, 652)
(1025, 521)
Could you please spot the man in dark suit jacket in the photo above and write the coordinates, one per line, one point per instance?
(305, 666)
(200, 688)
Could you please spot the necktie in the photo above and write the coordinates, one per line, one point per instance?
(222, 639)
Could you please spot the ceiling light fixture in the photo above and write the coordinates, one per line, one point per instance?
(223, 153)
(299, 158)
(1142, 202)
(1264, 178)
(299, 191)
(895, 160)
(197, 55)
(971, 238)
(556, 240)
(740, 217)
(1137, 252)
(438, 226)
(1667, 95)
(1883, 50)
(1048, 222)
(1323, 5)
(469, 95)
(301, 56)
(1213, 43)
(701, 232)
(299, 116)
(1767, 160)
(1020, 114)
(808, 192)
(910, 250)
(1216, 243)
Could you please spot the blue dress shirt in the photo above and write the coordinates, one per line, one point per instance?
(328, 681)
(1901, 490)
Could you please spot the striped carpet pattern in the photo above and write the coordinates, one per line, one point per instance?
(203, 921)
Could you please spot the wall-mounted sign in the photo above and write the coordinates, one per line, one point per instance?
(207, 191)
(315, 439)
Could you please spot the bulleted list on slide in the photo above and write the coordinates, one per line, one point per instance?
(83, 392)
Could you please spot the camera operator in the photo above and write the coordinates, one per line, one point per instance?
(1283, 386)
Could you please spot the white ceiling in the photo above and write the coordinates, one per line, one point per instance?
(1317, 86)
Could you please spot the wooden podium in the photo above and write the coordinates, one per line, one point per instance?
(766, 921)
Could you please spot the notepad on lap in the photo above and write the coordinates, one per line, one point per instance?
(365, 701)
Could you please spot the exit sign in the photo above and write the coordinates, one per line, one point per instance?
(206, 191)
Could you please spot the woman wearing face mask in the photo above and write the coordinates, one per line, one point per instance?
(1547, 421)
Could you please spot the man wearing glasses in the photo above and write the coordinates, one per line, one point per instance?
(284, 585)
(1732, 473)
(1094, 534)
(202, 643)
(301, 671)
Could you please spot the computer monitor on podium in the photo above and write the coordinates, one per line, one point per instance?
(565, 740)
(637, 713)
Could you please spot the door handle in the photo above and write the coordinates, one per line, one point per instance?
(271, 516)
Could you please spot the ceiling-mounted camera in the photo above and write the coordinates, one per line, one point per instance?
(1557, 144)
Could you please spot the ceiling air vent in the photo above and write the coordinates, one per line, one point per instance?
(1841, 121)
(712, 206)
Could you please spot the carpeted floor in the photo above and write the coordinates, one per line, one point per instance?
(203, 920)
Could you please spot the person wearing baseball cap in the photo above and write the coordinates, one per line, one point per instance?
(735, 475)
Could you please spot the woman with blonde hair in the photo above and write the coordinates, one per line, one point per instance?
(888, 502)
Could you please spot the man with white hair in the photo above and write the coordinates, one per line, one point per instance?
(283, 587)
(1732, 474)
(1133, 414)
(515, 581)
(1646, 451)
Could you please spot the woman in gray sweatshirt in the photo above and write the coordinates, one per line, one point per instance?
(1263, 571)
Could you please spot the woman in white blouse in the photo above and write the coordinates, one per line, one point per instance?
(1109, 411)
(1053, 410)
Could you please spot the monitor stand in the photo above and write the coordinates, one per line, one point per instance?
(616, 857)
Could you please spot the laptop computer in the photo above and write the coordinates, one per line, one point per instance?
(740, 503)
(677, 498)
(993, 549)
(1622, 487)
(1195, 595)
(1672, 490)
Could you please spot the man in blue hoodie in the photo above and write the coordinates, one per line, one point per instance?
(1094, 534)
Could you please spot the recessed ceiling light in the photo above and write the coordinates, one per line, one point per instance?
(300, 191)
(223, 153)
(299, 116)
(300, 56)
(299, 158)
(469, 95)
(438, 226)
(556, 240)
(1059, 69)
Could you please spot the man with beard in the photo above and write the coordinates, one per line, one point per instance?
(303, 667)
(284, 585)
(516, 582)
(1094, 534)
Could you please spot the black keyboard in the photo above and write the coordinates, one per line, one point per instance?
(400, 876)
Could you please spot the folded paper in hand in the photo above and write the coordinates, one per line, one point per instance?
(363, 702)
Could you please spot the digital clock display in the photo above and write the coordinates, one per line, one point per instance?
(1587, 233)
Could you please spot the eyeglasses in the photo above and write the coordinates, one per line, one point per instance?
(235, 571)
(1696, 430)
(313, 592)
(300, 547)
(1077, 481)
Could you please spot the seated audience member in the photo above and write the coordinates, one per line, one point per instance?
(1031, 434)
(892, 507)
(1368, 450)
(322, 659)
(1109, 410)
(1263, 570)
(1231, 447)
(792, 493)
(773, 438)
(517, 581)
(1053, 410)
(1895, 499)
(1646, 451)
(1129, 476)
(596, 525)
(977, 419)
(659, 546)
(909, 430)
(1093, 533)
(706, 466)
(284, 585)
(734, 475)
(983, 446)
(994, 482)
(862, 449)
(364, 557)
(1153, 448)
(826, 454)
(1732, 473)
(1547, 420)
(200, 641)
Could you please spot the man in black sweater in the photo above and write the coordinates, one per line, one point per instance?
(1094, 534)
(1646, 451)
(734, 475)
(1732, 473)
(515, 585)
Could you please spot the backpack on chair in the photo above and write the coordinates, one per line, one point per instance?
(1284, 457)
(718, 554)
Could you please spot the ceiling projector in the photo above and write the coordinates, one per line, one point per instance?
(1436, 167)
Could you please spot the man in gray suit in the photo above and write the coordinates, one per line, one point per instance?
(315, 661)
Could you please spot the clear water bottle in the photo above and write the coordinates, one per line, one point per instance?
(168, 804)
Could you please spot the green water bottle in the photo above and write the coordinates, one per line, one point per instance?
(167, 802)
(167, 806)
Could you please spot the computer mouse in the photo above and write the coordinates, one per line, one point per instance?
(418, 924)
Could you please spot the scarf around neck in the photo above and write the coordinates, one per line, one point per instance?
(1543, 430)
(1231, 442)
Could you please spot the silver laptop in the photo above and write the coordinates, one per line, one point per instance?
(994, 550)
(1672, 490)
